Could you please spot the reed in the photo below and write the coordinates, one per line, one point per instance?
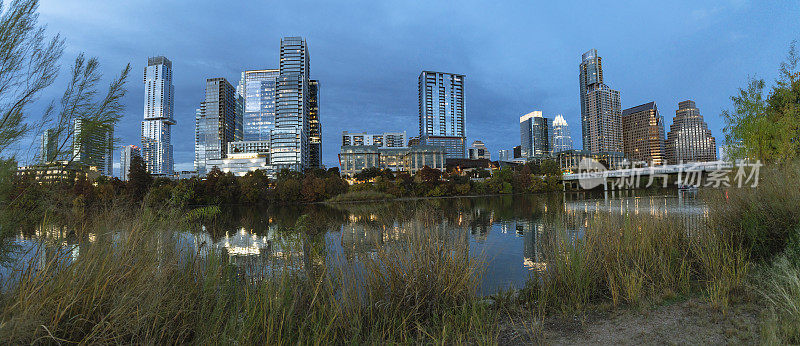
(142, 286)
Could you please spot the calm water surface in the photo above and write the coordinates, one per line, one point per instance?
(502, 230)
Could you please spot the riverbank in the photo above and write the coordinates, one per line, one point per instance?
(413, 282)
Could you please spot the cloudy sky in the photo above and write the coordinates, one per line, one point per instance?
(518, 56)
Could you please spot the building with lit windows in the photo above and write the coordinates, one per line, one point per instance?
(384, 140)
(314, 126)
(689, 139)
(355, 158)
(643, 134)
(158, 116)
(289, 140)
(442, 112)
(601, 108)
(534, 132)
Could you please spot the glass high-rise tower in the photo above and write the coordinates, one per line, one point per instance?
(560, 137)
(92, 145)
(534, 135)
(158, 116)
(601, 108)
(441, 111)
(289, 146)
(257, 87)
(218, 122)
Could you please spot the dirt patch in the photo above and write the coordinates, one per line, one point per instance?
(688, 322)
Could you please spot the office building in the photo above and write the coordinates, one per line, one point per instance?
(689, 139)
(517, 152)
(58, 171)
(314, 126)
(601, 110)
(355, 158)
(643, 134)
(217, 122)
(257, 88)
(534, 132)
(569, 160)
(92, 145)
(289, 140)
(383, 140)
(560, 137)
(505, 155)
(125, 158)
(158, 116)
(442, 111)
(478, 151)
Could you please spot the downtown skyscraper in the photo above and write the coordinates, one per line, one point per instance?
(560, 137)
(289, 140)
(643, 134)
(158, 116)
(92, 145)
(601, 108)
(534, 132)
(441, 112)
(125, 158)
(218, 122)
(258, 88)
(689, 139)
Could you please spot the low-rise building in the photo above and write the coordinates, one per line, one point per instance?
(58, 171)
(569, 160)
(355, 158)
(478, 151)
(242, 163)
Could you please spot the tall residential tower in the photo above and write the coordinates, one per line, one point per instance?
(158, 116)
(441, 111)
(601, 109)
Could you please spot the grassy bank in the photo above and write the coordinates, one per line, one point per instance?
(146, 286)
(142, 288)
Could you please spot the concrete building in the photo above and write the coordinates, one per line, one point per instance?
(158, 116)
(643, 135)
(601, 110)
(354, 159)
(534, 132)
(217, 123)
(383, 140)
(689, 139)
(127, 154)
(442, 111)
(478, 151)
(560, 137)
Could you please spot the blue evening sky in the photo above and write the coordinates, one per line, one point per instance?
(518, 56)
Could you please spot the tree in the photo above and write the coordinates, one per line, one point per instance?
(429, 175)
(767, 128)
(139, 179)
(368, 174)
(28, 64)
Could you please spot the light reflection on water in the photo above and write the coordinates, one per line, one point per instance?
(504, 231)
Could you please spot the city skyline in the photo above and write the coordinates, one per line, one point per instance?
(383, 94)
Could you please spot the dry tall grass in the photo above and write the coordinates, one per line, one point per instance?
(142, 288)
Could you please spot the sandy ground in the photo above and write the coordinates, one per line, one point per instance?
(683, 323)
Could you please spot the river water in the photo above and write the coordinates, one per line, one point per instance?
(503, 231)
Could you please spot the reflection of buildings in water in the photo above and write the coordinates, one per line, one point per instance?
(532, 232)
(684, 208)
